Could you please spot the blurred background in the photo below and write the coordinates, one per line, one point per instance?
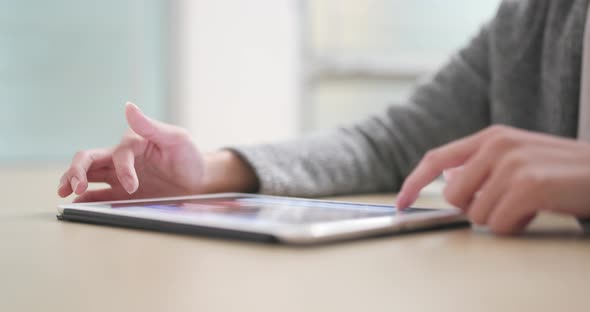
(231, 71)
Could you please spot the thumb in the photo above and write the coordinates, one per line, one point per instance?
(150, 129)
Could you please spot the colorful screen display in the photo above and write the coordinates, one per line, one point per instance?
(281, 210)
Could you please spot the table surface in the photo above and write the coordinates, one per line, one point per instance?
(47, 265)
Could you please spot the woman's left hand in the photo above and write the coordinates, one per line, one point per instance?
(508, 176)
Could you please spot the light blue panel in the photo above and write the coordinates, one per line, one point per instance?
(395, 28)
(68, 66)
(416, 31)
(434, 27)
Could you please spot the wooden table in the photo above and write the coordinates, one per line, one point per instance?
(48, 265)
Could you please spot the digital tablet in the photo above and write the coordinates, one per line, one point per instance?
(259, 217)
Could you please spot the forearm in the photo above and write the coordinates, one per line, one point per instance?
(225, 171)
(329, 163)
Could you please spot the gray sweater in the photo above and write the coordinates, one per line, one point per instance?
(522, 69)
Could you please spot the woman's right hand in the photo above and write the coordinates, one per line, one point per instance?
(154, 159)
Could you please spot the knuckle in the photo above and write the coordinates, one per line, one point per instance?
(497, 129)
(73, 171)
(81, 155)
(529, 179)
(499, 143)
(119, 149)
(122, 153)
(431, 157)
(127, 142)
(533, 188)
(516, 159)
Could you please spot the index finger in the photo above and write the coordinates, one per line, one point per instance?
(433, 164)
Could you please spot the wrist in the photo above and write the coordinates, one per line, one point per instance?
(225, 171)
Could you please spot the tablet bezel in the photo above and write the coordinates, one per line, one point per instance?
(286, 233)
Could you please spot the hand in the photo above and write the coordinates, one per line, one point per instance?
(153, 160)
(508, 176)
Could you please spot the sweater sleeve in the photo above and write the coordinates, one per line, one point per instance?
(376, 154)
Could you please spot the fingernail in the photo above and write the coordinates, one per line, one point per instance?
(129, 188)
(129, 185)
(403, 201)
(61, 183)
(75, 184)
(400, 201)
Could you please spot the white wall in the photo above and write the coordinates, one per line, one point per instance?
(237, 70)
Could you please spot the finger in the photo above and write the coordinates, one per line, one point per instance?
(497, 185)
(124, 162)
(153, 130)
(75, 176)
(525, 221)
(512, 212)
(489, 196)
(450, 174)
(103, 176)
(434, 162)
(97, 195)
(64, 189)
(465, 185)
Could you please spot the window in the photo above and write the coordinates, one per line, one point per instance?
(364, 55)
(278, 66)
(68, 66)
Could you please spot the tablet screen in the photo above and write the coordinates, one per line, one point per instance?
(277, 210)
